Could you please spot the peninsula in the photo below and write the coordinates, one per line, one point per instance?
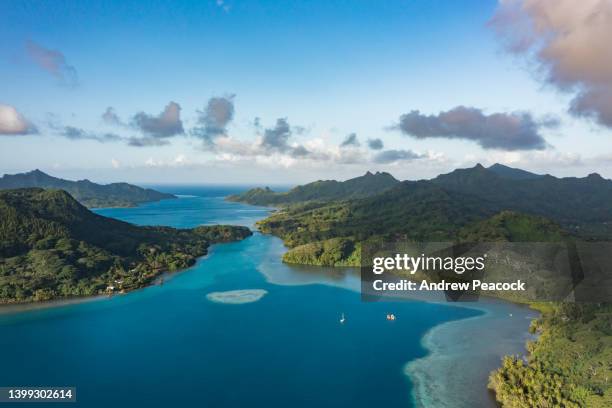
(52, 247)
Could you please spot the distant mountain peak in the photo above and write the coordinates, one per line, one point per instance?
(595, 176)
(511, 172)
(322, 190)
(378, 174)
(37, 172)
(85, 191)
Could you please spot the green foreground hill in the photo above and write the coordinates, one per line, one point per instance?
(89, 194)
(569, 365)
(53, 247)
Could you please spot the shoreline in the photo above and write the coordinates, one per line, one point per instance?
(428, 373)
(416, 369)
(429, 390)
(420, 387)
(15, 308)
(10, 308)
(428, 341)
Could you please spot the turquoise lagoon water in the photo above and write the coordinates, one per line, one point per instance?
(169, 345)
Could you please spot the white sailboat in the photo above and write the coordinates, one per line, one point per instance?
(342, 319)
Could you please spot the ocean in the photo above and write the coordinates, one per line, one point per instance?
(171, 345)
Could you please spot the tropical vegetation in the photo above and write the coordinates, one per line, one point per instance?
(570, 363)
(53, 247)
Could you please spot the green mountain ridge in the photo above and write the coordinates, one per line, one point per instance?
(511, 172)
(568, 364)
(321, 190)
(90, 194)
(582, 205)
(440, 209)
(53, 247)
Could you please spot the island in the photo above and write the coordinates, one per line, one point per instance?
(52, 247)
(89, 194)
(568, 365)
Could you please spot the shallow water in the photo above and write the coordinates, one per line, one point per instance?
(170, 345)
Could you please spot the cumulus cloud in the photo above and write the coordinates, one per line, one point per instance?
(274, 146)
(300, 151)
(53, 62)
(13, 123)
(146, 141)
(350, 140)
(276, 140)
(544, 161)
(503, 131)
(391, 156)
(74, 133)
(214, 119)
(569, 41)
(375, 144)
(110, 116)
(300, 130)
(179, 161)
(167, 124)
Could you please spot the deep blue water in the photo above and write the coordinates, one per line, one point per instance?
(169, 346)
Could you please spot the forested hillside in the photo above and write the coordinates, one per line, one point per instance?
(582, 205)
(53, 247)
(438, 209)
(570, 365)
(323, 190)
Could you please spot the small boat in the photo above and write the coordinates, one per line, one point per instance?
(390, 317)
(342, 319)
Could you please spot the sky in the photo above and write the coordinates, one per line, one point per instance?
(268, 92)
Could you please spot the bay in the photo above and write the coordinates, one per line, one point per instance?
(169, 345)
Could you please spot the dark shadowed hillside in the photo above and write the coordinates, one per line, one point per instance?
(582, 205)
(511, 172)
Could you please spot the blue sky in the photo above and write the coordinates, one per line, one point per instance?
(330, 68)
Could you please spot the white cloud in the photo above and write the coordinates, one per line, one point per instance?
(13, 123)
(179, 160)
(536, 160)
(569, 41)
